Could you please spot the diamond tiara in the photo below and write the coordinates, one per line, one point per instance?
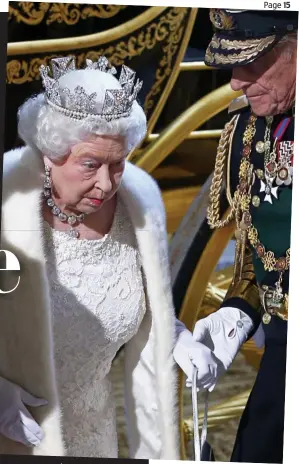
(81, 105)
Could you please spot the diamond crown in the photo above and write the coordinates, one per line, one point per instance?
(79, 104)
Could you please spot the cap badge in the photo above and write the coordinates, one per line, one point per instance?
(221, 19)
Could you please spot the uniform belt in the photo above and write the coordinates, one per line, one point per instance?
(273, 303)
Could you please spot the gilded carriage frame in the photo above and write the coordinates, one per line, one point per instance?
(171, 26)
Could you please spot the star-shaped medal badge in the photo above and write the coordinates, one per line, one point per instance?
(268, 189)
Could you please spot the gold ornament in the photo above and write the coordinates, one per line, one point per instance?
(213, 210)
(221, 19)
(270, 262)
(245, 202)
(244, 168)
(256, 201)
(70, 14)
(260, 173)
(266, 318)
(248, 135)
(260, 147)
(253, 236)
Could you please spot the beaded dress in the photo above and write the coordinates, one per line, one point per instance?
(98, 303)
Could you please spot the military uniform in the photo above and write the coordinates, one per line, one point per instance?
(254, 159)
(264, 413)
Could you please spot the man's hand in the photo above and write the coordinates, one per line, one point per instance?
(189, 353)
(223, 332)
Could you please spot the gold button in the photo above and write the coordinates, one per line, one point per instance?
(256, 201)
(260, 147)
(260, 173)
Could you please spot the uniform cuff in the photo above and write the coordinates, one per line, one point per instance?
(239, 303)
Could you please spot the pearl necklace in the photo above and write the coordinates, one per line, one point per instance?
(71, 219)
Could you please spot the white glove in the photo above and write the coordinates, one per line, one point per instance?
(189, 353)
(223, 332)
(16, 421)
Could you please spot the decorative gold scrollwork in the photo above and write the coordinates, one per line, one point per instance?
(101, 11)
(32, 13)
(28, 12)
(175, 22)
(168, 28)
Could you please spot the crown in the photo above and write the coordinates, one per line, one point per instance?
(79, 104)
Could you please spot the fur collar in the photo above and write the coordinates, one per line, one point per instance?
(148, 355)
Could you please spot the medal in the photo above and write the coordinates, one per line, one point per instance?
(272, 298)
(285, 151)
(266, 318)
(271, 169)
(285, 154)
(270, 165)
(269, 190)
(284, 176)
(283, 173)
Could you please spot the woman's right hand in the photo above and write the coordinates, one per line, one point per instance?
(16, 422)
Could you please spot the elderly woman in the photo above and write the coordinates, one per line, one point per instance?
(89, 231)
(255, 156)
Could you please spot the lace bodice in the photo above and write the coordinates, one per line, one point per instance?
(98, 303)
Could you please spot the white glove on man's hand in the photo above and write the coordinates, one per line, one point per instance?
(16, 422)
(189, 353)
(223, 332)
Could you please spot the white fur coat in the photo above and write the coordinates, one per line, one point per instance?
(26, 345)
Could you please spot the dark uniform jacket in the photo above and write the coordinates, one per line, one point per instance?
(272, 221)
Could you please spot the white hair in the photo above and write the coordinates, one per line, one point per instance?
(289, 45)
(53, 134)
(289, 38)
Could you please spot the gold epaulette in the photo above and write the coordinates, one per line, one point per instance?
(238, 104)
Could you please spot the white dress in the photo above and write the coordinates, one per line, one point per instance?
(98, 303)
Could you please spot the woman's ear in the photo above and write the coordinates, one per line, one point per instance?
(47, 161)
(57, 162)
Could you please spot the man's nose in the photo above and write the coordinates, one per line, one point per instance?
(238, 80)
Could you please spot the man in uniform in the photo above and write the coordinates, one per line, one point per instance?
(254, 161)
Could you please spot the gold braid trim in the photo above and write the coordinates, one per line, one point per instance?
(246, 44)
(213, 210)
(229, 195)
(246, 288)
